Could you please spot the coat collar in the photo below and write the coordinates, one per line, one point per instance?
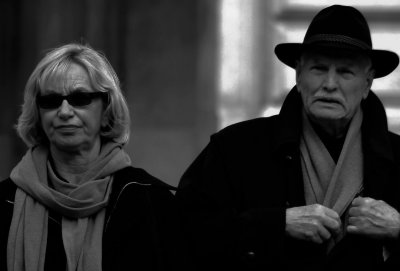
(379, 159)
(289, 123)
(374, 127)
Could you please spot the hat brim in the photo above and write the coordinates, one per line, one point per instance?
(384, 62)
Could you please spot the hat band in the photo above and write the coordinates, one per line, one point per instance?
(337, 39)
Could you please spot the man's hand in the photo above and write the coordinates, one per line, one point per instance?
(314, 223)
(374, 218)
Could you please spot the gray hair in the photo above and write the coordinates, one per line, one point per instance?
(102, 78)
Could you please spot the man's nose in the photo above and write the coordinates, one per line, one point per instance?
(65, 110)
(331, 80)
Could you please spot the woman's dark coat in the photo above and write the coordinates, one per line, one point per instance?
(141, 229)
(234, 195)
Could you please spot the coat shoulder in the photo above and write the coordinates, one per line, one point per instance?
(138, 187)
(249, 126)
(7, 194)
(142, 222)
(395, 139)
(395, 143)
(249, 130)
(139, 177)
(7, 190)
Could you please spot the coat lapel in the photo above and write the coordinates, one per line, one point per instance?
(379, 161)
(287, 148)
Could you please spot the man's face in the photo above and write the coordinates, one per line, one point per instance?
(332, 86)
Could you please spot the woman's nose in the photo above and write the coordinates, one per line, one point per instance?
(65, 110)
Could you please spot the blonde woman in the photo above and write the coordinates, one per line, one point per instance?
(74, 201)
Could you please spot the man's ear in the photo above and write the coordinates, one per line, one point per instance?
(370, 80)
(298, 72)
(365, 94)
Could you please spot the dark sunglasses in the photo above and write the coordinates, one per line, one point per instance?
(52, 101)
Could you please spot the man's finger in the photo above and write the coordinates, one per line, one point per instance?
(359, 201)
(353, 221)
(352, 229)
(324, 233)
(332, 214)
(333, 225)
(355, 211)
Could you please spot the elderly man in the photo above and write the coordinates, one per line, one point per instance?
(316, 187)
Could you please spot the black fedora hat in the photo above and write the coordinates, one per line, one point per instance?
(339, 27)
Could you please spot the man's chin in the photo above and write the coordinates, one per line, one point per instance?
(328, 116)
(328, 112)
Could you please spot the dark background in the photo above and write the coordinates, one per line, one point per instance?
(162, 50)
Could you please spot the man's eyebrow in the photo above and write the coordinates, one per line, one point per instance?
(351, 63)
(315, 60)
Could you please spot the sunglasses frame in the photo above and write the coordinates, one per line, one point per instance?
(54, 100)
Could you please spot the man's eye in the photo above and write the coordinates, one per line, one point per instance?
(318, 68)
(346, 72)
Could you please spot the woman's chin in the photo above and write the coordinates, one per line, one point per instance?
(67, 146)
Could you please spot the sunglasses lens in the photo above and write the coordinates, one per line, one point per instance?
(53, 101)
(49, 101)
(80, 98)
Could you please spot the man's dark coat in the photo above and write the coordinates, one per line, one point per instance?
(234, 195)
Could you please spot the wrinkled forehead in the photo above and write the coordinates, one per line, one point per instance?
(344, 56)
(64, 77)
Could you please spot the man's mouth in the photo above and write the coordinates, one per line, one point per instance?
(328, 100)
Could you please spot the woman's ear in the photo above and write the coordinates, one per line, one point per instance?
(104, 120)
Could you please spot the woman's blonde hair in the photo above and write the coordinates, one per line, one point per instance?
(102, 78)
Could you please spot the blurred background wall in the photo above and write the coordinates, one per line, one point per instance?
(162, 50)
(187, 67)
